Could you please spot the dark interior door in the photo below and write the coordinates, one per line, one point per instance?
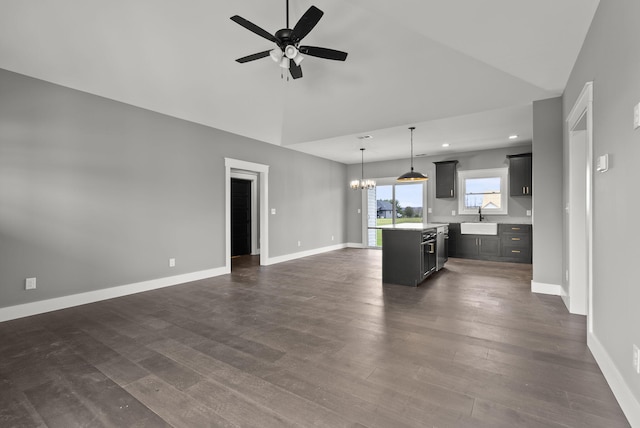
(240, 217)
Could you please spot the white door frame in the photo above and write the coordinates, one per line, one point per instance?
(263, 172)
(253, 178)
(583, 109)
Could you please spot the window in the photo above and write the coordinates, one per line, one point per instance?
(484, 189)
(393, 203)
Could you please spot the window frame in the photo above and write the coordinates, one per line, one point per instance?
(366, 215)
(502, 173)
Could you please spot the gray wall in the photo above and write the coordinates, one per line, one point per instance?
(611, 59)
(95, 193)
(547, 191)
(442, 208)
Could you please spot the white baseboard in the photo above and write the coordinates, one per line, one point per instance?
(42, 306)
(542, 288)
(567, 301)
(301, 254)
(628, 402)
(356, 245)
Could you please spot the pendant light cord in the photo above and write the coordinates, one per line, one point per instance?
(362, 163)
(412, 128)
(287, 14)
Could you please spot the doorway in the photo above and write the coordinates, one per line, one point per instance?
(391, 203)
(240, 217)
(258, 177)
(578, 212)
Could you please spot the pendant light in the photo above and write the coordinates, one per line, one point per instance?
(411, 175)
(362, 184)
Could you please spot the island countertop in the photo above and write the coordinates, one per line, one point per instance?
(410, 226)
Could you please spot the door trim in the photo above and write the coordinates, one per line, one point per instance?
(253, 178)
(263, 172)
(583, 109)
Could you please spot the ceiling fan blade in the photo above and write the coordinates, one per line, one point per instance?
(295, 70)
(255, 29)
(306, 23)
(253, 57)
(323, 53)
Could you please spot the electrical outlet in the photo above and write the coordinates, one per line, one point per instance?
(172, 262)
(528, 213)
(636, 116)
(299, 243)
(453, 213)
(359, 211)
(636, 359)
(273, 211)
(429, 211)
(332, 238)
(30, 284)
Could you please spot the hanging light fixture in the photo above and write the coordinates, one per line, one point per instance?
(411, 175)
(362, 183)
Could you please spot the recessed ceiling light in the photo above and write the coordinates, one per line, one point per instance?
(513, 137)
(365, 137)
(445, 144)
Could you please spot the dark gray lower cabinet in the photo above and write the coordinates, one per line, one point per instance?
(403, 259)
(511, 244)
(515, 241)
(483, 247)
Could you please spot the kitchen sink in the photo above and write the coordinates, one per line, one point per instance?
(477, 228)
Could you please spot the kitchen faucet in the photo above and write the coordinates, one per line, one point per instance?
(480, 216)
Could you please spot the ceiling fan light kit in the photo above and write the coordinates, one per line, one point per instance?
(289, 53)
(411, 175)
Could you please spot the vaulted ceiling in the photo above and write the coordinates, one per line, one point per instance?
(464, 72)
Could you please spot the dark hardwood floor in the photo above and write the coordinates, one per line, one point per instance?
(318, 341)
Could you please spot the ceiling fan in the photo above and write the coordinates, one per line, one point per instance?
(289, 54)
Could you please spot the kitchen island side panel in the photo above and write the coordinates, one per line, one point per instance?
(401, 257)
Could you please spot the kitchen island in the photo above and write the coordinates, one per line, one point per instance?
(411, 252)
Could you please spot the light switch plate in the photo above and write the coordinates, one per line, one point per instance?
(602, 163)
(30, 284)
(528, 213)
(636, 116)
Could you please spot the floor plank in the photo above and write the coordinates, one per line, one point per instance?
(318, 341)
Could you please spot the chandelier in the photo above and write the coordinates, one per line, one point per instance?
(362, 183)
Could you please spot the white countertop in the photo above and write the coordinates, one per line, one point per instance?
(410, 226)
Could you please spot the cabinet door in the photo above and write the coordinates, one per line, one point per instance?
(489, 246)
(520, 175)
(446, 179)
(468, 246)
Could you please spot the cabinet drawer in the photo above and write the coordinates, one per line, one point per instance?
(522, 254)
(516, 239)
(524, 229)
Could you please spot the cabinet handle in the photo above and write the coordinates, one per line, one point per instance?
(515, 239)
(524, 190)
(451, 192)
(515, 228)
(515, 251)
(431, 249)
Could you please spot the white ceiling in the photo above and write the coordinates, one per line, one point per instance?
(462, 71)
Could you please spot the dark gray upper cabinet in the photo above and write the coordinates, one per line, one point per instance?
(446, 179)
(520, 183)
